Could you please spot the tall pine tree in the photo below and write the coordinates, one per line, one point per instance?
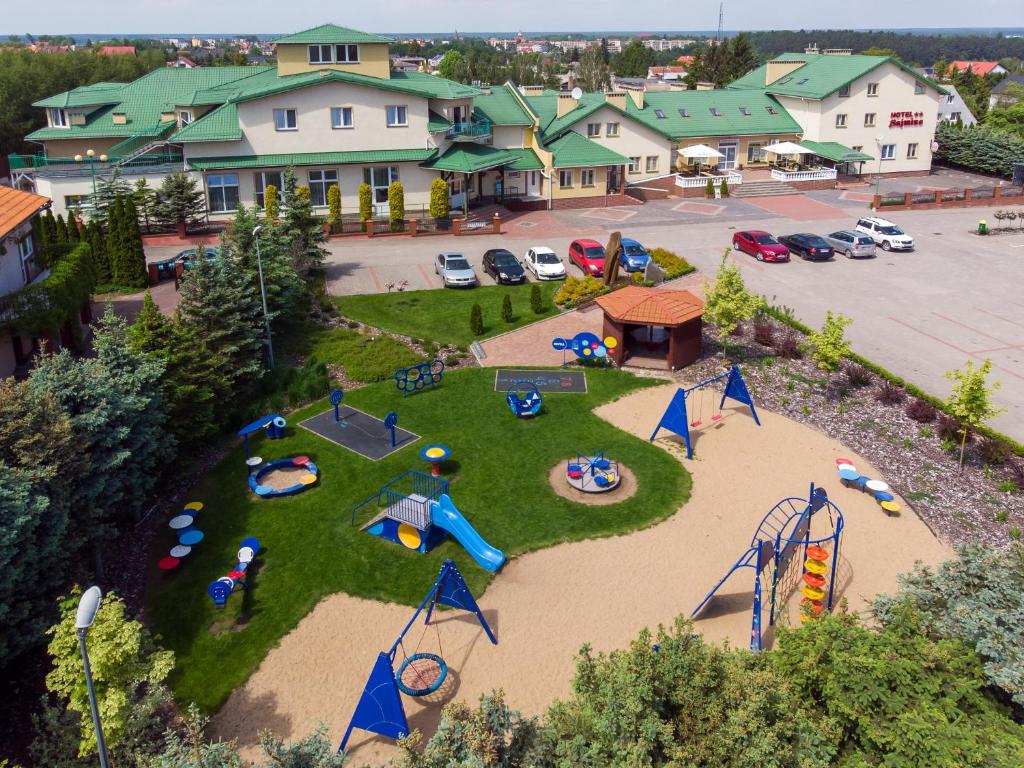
(100, 255)
(134, 258)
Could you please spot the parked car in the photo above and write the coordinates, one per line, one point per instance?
(544, 263)
(761, 245)
(588, 255)
(504, 267)
(454, 270)
(856, 245)
(187, 257)
(634, 256)
(886, 234)
(808, 246)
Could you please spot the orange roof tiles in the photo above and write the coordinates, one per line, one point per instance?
(17, 206)
(115, 50)
(977, 67)
(651, 306)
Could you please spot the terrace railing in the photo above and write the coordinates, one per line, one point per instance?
(734, 178)
(472, 129)
(818, 174)
(44, 165)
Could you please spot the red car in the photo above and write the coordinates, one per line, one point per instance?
(588, 255)
(761, 245)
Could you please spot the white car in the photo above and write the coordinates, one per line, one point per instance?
(886, 234)
(544, 263)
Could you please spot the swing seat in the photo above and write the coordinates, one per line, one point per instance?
(716, 417)
(695, 423)
(421, 674)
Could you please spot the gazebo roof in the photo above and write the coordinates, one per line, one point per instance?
(651, 306)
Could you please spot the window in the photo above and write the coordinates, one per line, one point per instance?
(398, 115)
(26, 249)
(223, 190)
(714, 111)
(844, 91)
(319, 183)
(285, 120)
(565, 179)
(341, 117)
(785, 80)
(58, 118)
(912, 151)
(587, 177)
(611, 130)
(858, 148)
(263, 179)
(869, 120)
(184, 117)
(754, 153)
(745, 111)
(660, 114)
(801, 82)
(872, 89)
(888, 152)
(772, 110)
(593, 130)
(840, 121)
(346, 54)
(949, 99)
(379, 180)
(684, 112)
(320, 54)
(954, 116)
(918, 89)
(634, 165)
(651, 165)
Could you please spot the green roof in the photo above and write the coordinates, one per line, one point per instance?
(413, 83)
(470, 158)
(220, 124)
(311, 158)
(545, 106)
(436, 122)
(833, 150)
(766, 115)
(331, 33)
(526, 160)
(94, 95)
(575, 151)
(822, 74)
(501, 107)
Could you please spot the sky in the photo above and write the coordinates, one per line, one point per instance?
(273, 16)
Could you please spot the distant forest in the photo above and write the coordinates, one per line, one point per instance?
(920, 50)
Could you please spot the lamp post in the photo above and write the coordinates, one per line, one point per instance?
(88, 607)
(263, 296)
(90, 155)
(878, 176)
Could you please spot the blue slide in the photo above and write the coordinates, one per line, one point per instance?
(445, 515)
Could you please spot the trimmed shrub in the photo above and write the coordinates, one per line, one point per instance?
(922, 411)
(476, 320)
(764, 334)
(272, 203)
(709, 189)
(576, 291)
(993, 451)
(506, 309)
(888, 393)
(365, 203)
(948, 428)
(396, 206)
(333, 206)
(857, 376)
(673, 264)
(536, 300)
(440, 206)
(724, 188)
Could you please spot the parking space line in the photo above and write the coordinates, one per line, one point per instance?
(945, 343)
(427, 280)
(376, 280)
(1004, 319)
(973, 330)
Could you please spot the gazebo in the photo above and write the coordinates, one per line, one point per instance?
(654, 327)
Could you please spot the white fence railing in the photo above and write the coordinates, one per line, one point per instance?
(821, 174)
(687, 182)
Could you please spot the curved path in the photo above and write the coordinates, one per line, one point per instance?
(546, 604)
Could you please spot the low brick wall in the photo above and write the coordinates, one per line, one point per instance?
(813, 184)
(653, 189)
(913, 201)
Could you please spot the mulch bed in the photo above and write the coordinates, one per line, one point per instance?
(957, 506)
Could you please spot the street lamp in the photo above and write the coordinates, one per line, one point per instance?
(90, 155)
(878, 176)
(263, 296)
(88, 607)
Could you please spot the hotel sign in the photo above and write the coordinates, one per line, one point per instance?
(905, 119)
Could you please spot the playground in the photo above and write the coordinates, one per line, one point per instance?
(567, 587)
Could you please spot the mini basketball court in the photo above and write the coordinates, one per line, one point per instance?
(360, 432)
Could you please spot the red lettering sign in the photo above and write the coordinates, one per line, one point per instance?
(904, 119)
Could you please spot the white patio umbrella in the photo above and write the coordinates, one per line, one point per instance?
(787, 148)
(700, 150)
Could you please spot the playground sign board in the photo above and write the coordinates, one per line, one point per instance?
(571, 382)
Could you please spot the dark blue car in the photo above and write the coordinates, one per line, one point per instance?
(634, 256)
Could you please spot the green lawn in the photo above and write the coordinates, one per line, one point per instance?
(443, 314)
(498, 472)
(366, 358)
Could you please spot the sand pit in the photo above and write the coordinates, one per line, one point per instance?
(544, 605)
(283, 477)
(624, 490)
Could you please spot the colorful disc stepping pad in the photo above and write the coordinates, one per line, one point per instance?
(194, 505)
(180, 551)
(848, 473)
(168, 563)
(890, 506)
(190, 538)
(181, 522)
(876, 485)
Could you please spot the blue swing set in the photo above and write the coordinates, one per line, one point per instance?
(677, 419)
(379, 709)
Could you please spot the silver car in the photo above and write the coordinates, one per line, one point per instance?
(455, 270)
(854, 245)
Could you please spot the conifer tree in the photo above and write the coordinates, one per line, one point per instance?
(62, 231)
(304, 234)
(100, 255)
(134, 254)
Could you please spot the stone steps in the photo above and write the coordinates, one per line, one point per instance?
(763, 189)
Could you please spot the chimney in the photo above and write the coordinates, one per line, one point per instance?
(616, 99)
(811, 49)
(777, 69)
(531, 90)
(119, 118)
(838, 52)
(705, 86)
(566, 104)
(167, 117)
(636, 94)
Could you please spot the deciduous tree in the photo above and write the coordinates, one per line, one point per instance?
(971, 399)
(592, 72)
(727, 302)
(828, 346)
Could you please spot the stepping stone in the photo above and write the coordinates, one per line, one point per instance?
(877, 485)
(841, 461)
(891, 507)
(254, 461)
(181, 522)
(298, 461)
(180, 551)
(195, 505)
(848, 473)
(884, 496)
(841, 467)
(189, 538)
(168, 563)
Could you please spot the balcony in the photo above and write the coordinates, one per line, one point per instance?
(45, 166)
(469, 131)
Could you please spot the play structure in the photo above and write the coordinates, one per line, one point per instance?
(187, 533)
(435, 455)
(695, 407)
(390, 422)
(415, 511)
(563, 381)
(281, 477)
(221, 589)
(272, 424)
(524, 399)
(380, 709)
(792, 525)
(417, 377)
(592, 474)
(586, 346)
(360, 432)
(877, 489)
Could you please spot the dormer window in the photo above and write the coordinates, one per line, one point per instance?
(684, 112)
(715, 111)
(58, 118)
(184, 117)
(785, 80)
(772, 110)
(346, 54)
(321, 54)
(333, 54)
(801, 82)
(745, 111)
(659, 114)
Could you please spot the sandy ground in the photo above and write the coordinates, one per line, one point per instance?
(544, 605)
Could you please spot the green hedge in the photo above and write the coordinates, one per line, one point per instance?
(44, 306)
(979, 148)
(911, 389)
(673, 264)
